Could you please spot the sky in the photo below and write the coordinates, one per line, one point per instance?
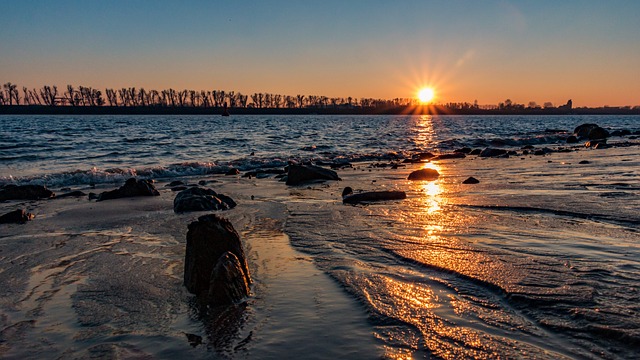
(489, 51)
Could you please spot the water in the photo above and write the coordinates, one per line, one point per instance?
(63, 150)
(539, 260)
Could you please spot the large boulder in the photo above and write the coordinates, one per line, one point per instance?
(424, 174)
(131, 188)
(201, 199)
(591, 132)
(25, 192)
(17, 216)
(300, 174)
(207, 262)
(348, 197)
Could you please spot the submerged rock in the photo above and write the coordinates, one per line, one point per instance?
(424, 174)
(131, 188)
(233, 171)
(471, 180)
(201, 199)
(25, 192)
(300, 174)
(455, 155)
(215, 267)
(348, 197)
(18, 216)
(492, 152)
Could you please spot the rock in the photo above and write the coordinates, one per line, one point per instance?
(25, 192)
(17, 216)
(174, 183)
(299, 174)
(492, 152)
(201, 199)
(591, 132)
(228, 284)
(464, 150)
(348, 197)
(455, 155)
(528, 147)
(208, 265)
(582, 131)
(337, 166)
(471, 180)
(539, 152)
(233, 171)
(423, 156)
(475, 152)
(424, 174)
(572, 139)
(131, 188)
(76, 193)
(584, 162)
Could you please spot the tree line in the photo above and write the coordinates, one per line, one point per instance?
(140, 97)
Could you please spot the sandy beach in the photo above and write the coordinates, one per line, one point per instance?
(104, 279)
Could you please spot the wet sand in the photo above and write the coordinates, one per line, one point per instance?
(87, 279)
(104, 279)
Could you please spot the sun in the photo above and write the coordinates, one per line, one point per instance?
(426, 95)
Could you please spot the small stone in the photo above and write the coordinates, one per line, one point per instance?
(471, 180)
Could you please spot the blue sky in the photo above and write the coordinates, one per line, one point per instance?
(467, 50)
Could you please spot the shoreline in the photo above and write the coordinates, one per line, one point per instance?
(218, 111)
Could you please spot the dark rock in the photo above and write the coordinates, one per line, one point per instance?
(598, 133)
(492, 152)
(475, 152)
(600, 145)
(233, 171)
(208, 262)
(582, 131)
(257, 173)
(131, 188)
(76, 193)
(512, 153)
(299, 174)
(228, 284)
(424, 174)
(201, 199)
(174, 183)
(525, 152)
(591, 132)
(623, 132)
(572, 139)
(456, 155)
(16, 217)
(464, 150)
(584, 162)
(337, 166)
(423, 156)
(205, 182)
(93, 196)
(528, 147)
(471, 180)
(25, 192)
(348, 197)
(539, 152)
